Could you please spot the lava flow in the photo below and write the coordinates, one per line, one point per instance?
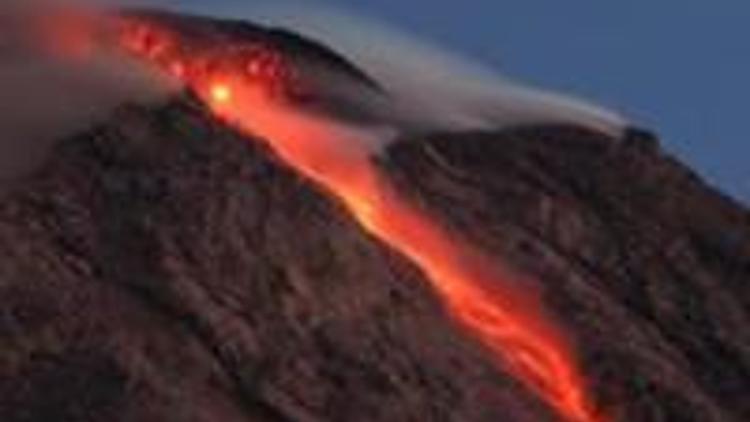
(242, 87)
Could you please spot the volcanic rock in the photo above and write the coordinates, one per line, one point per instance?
(645, 264)
(163, 267)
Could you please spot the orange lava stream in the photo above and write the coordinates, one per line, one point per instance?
(476, 290)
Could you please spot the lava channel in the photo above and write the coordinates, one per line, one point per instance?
(243, 90)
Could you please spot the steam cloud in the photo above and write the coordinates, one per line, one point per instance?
(433, 88)
(48, 96)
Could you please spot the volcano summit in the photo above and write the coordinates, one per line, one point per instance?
(285, 239)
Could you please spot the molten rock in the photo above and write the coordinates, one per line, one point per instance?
(163, 267)
(644, 263)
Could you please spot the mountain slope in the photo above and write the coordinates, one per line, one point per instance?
(163, 268)
(645, 264)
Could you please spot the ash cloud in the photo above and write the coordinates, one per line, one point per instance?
(48, 96)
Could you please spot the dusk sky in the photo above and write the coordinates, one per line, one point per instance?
(679, 67)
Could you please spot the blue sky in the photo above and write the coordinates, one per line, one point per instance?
(679, 67)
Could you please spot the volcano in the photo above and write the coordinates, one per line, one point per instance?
(219, 257)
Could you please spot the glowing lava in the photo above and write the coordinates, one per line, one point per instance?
(475, 289)
(221, 93)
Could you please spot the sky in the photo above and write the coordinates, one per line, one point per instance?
(678, 67)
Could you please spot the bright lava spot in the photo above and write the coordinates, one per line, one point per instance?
(221, 93)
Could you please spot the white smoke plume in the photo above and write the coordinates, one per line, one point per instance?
(432, 87)
(48, 95)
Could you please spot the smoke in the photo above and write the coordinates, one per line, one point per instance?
(430, 88)
(56, 82)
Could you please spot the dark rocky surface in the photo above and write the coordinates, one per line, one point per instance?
(647, 266)
(162, 268)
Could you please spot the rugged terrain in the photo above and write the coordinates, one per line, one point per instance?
(161, 267)
(646, 264)
(164, 267)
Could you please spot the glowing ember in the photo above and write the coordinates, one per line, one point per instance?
(473, 287)
(221, 93)
(177, 69)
